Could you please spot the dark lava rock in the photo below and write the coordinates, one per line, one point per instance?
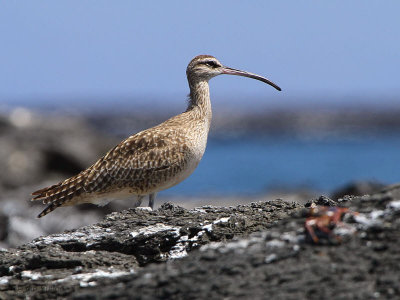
(278, 264)
(61, 265)
(358, 188)
(249, 251)
(323, 201)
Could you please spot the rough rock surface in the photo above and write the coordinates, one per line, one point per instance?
(61, 264)
(358, 188)
(247, 251)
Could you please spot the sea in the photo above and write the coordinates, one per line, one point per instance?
(254, 165)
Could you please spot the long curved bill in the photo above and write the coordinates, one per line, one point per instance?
(231, 71)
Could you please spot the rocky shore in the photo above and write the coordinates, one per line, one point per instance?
(230, 251)
(247, 251)
(38, 150)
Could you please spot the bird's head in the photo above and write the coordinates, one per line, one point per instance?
(205, 67)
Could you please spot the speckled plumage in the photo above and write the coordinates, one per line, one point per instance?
(151, 160)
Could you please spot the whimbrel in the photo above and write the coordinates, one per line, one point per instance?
(151, 160)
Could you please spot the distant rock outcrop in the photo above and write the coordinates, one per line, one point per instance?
(34, 149)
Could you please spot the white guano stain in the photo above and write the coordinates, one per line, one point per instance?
(153, 229)
(34, 275)
(94, 234)
(88, 279)
(4, 280)
(209, 227)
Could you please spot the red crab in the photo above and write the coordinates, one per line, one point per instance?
(322, 220)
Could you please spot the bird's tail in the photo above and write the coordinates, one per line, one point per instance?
(59, 194)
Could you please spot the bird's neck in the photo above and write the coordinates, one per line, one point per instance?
(199, 100)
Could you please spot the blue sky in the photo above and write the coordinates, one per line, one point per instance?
(63, 51)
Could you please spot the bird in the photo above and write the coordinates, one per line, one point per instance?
(154, 159)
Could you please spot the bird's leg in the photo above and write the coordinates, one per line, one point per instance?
(152, 197)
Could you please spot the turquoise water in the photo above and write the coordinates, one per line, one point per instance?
(249, 166)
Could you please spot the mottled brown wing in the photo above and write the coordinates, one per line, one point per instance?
(135, 161)
(132, 163)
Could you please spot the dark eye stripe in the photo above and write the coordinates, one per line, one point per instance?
(211, 63)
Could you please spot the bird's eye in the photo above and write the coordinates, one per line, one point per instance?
(211, 64)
